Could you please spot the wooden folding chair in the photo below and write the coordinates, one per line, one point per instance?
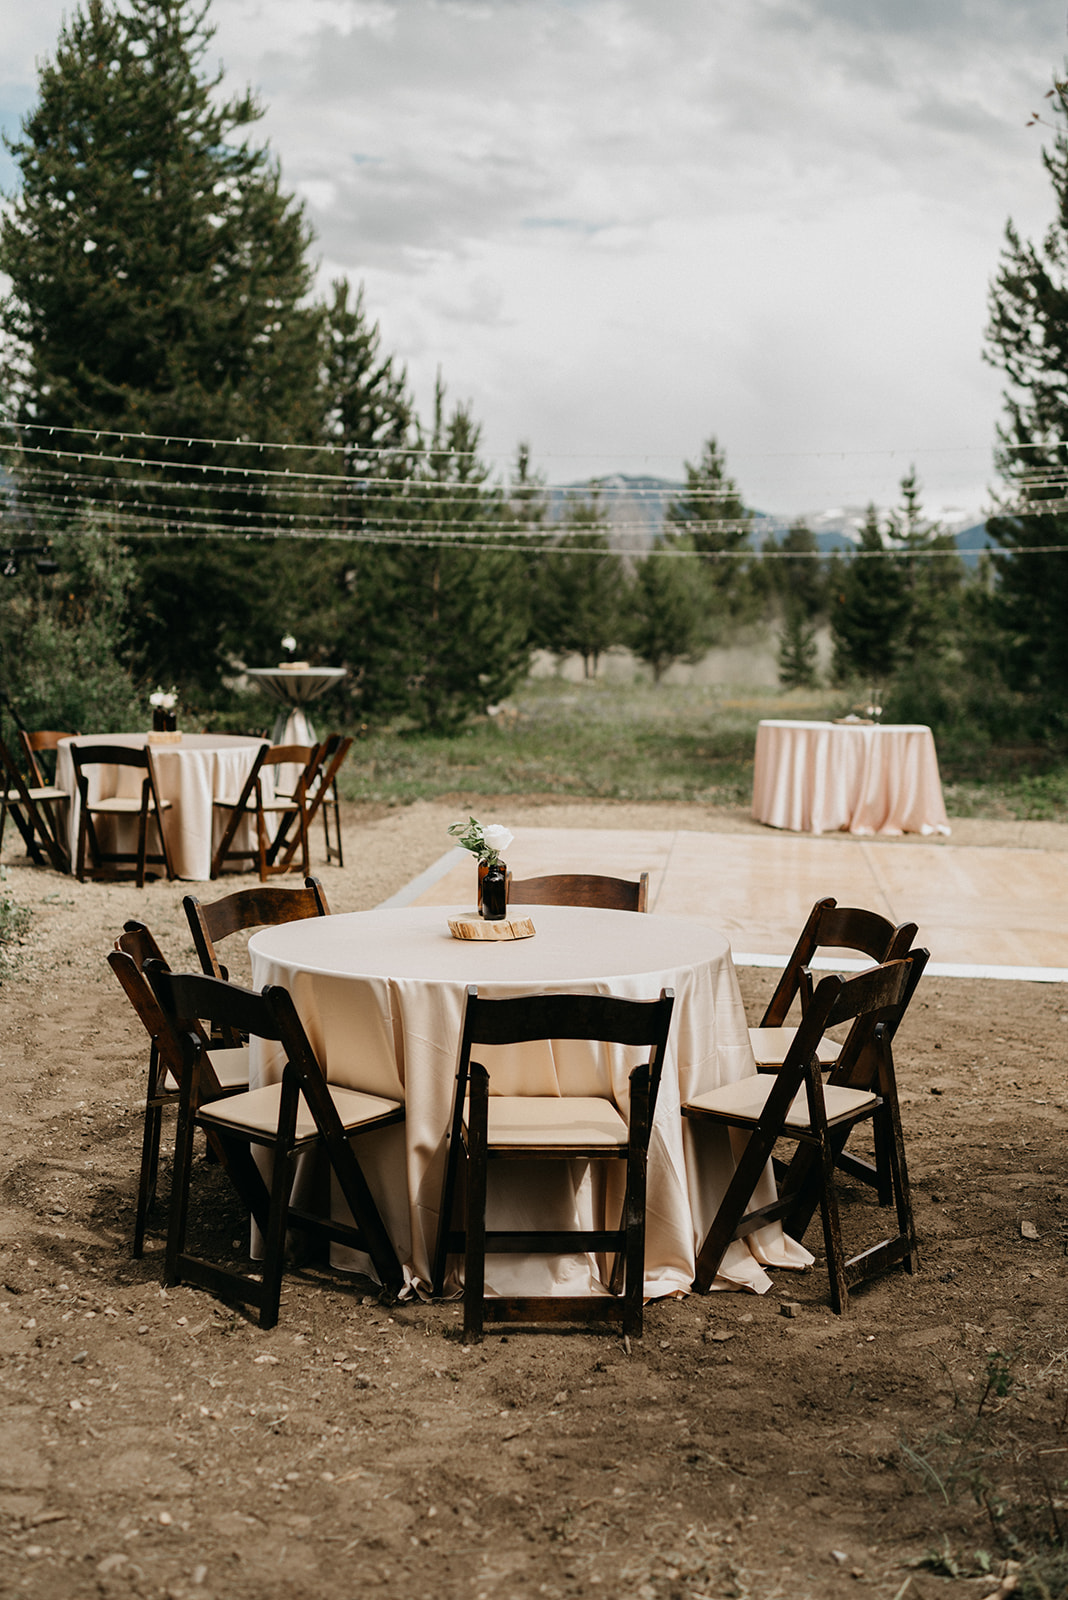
(493, 1128)
(839, 928)
(581, 889)
(272, 852)
(257, 907)
(33, 808)
(225, 1071)
(795, 1104)
(297, 1114)
(35, 744)
(335, 748)
(146, 808)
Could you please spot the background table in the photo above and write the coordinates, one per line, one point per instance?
(381, 994)
(817, 777)
(292, 688)
(204, 767)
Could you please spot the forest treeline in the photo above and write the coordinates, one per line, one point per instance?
(216, 458)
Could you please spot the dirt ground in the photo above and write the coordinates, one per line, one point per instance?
(156, 1443)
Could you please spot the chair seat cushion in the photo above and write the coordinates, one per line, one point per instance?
(231, 1069)
(257, 1111)
(746, 1099)
(124, 805)
(45, 794)
(231, 1066)
(537, 1121)
(771, 1046)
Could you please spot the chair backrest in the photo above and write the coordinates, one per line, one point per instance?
(34, 743)
(189, 1000)
(111, 755)
(834, 927)
(134, 949)
(257, 907)
(874, 1001)
(596, 1017)
(332, 752)
(581, 889)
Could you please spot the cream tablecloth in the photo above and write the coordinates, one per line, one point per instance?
(818, 777)
(381, 994)
(202, 768)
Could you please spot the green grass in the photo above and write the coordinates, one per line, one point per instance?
(609, 741)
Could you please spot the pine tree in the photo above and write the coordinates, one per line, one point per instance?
(158, 271)
(158, 286)
(578, 595)
(1027, 338)
(667, 620)
(438, 631)
(713, 519)
(869, 609)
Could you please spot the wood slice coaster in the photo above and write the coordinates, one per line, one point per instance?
(476, 928)
(159, 736)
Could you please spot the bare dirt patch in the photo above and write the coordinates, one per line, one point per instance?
(154, 1443)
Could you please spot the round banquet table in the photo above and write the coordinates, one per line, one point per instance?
(820, 777)
(204, 767)
(381, 995)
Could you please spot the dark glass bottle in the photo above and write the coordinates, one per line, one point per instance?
(494, 892)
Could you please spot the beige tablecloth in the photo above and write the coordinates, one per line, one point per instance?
(819, 777)
(203, 768)
(381, 994)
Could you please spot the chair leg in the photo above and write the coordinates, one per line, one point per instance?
(634, 1216)
(274, 1247)
(475, 1230)
(146, 1185)
(832, 1231)
(180, 1180)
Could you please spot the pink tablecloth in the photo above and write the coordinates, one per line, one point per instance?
(818, 777)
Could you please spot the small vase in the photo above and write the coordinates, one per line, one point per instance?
(495, 893)
(483, 868)
(170, 722)
(159, 719)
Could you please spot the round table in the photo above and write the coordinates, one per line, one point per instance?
(819, 777)
(381, 994)
(292, 688)
(202, 768)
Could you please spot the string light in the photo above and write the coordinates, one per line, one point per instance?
(135, 496)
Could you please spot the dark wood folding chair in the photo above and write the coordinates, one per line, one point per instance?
(146, 808)
(335, 748)
(795, 1104)
(581, 889)
(45, 741)
(300, 1113)
(491, 1128)
(272, 820)
(256, 907)
(33, 808)
(838, 928)
(225, 1070)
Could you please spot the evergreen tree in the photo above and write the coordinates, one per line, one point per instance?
(711, 516)
(869, 610)
(798, 654)
(157, 268)
(438, 630)
(1027, 338)
(578, 598)
(797, 578)
(933, 582)
(667, 620)
(158, 282)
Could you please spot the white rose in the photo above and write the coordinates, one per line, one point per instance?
(496, 837)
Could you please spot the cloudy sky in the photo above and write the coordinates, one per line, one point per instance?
(621, 226)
